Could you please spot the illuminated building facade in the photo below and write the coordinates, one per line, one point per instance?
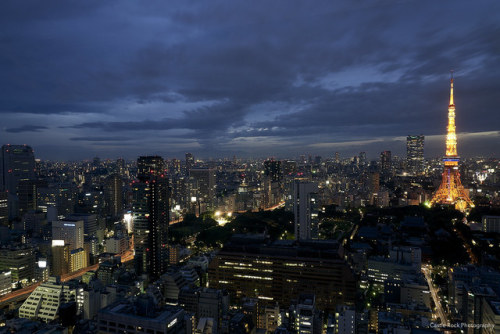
(247, 266)
(69, 230)
(44, 302)
(77, 260)
(20, 261)
(451, 190)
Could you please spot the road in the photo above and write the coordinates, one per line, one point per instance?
(24, 292)
(426, 269)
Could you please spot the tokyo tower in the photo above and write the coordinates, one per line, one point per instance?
(451, 191)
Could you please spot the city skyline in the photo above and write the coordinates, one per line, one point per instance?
(249, 80)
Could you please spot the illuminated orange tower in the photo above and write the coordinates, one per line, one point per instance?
(451, 191)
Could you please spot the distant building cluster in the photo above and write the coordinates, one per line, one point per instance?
(305, 245)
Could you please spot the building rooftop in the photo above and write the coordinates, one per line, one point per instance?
(288, 248)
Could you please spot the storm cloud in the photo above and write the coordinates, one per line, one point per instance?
(281, 78)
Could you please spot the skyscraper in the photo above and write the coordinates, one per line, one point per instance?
(151, 217)
(451, 191)
(415, 154)
(17, 162)
(305, 209)
(113, 195)
(148, 166)
(158, 226)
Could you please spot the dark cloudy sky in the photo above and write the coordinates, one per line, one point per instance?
(247, 78)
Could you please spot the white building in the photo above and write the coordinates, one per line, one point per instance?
(71, 231)
(116, 245)
(43, 303)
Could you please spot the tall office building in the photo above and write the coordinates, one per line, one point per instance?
(90, 223)
(17, 162)
(415, 154)
(305, 209)
(69, 230)
(113, 195)
(279, 272)
(151, 218)
(148, 166)
(27, 193)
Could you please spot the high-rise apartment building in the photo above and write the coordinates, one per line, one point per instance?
(151, 217)
(305, 209)
(415, 154)
(158, 226)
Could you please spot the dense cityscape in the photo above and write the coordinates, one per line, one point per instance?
(305, 245)
(257, 167)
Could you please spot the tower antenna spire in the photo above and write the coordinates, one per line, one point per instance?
(451, 190)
